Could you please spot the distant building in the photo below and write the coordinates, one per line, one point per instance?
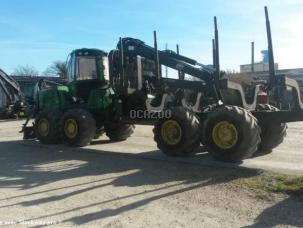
(261, 69)
(27, 83)
(27, 86)
(296, 73)
(259, 66)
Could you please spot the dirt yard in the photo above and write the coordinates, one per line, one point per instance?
(131, 184)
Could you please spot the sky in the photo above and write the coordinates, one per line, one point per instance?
(36, 33)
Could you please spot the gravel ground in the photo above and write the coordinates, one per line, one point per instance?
(122, 185)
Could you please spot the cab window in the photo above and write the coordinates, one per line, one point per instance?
(71, 68)
(87, 68)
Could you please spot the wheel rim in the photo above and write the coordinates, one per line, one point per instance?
(171, 132)
(43, 127)
(70, 128)
(225, 135)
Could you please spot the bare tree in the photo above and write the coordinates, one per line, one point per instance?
(58, 68)
(26, 71)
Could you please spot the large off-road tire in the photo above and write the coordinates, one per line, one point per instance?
(231, 134)
(118, 131)
(78, 127)
(272, 133)
(47, 126)
(178, 135)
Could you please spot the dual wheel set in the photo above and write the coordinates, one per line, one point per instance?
(230, 133)
(76, 127)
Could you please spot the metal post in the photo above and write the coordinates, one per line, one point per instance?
(217, 92)
(252, 57)
(158, 72)
(214, 53)
(166, 68)
(122, 64)
(180, 74)
(272, 73)
(217, 61)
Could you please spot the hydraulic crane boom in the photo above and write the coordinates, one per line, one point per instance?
(10, 88)
(134, 47)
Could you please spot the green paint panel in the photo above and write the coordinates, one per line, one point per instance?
(82, 89)
(101, 99)
(53, 98)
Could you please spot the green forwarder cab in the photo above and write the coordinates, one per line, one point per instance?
(83, 108)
